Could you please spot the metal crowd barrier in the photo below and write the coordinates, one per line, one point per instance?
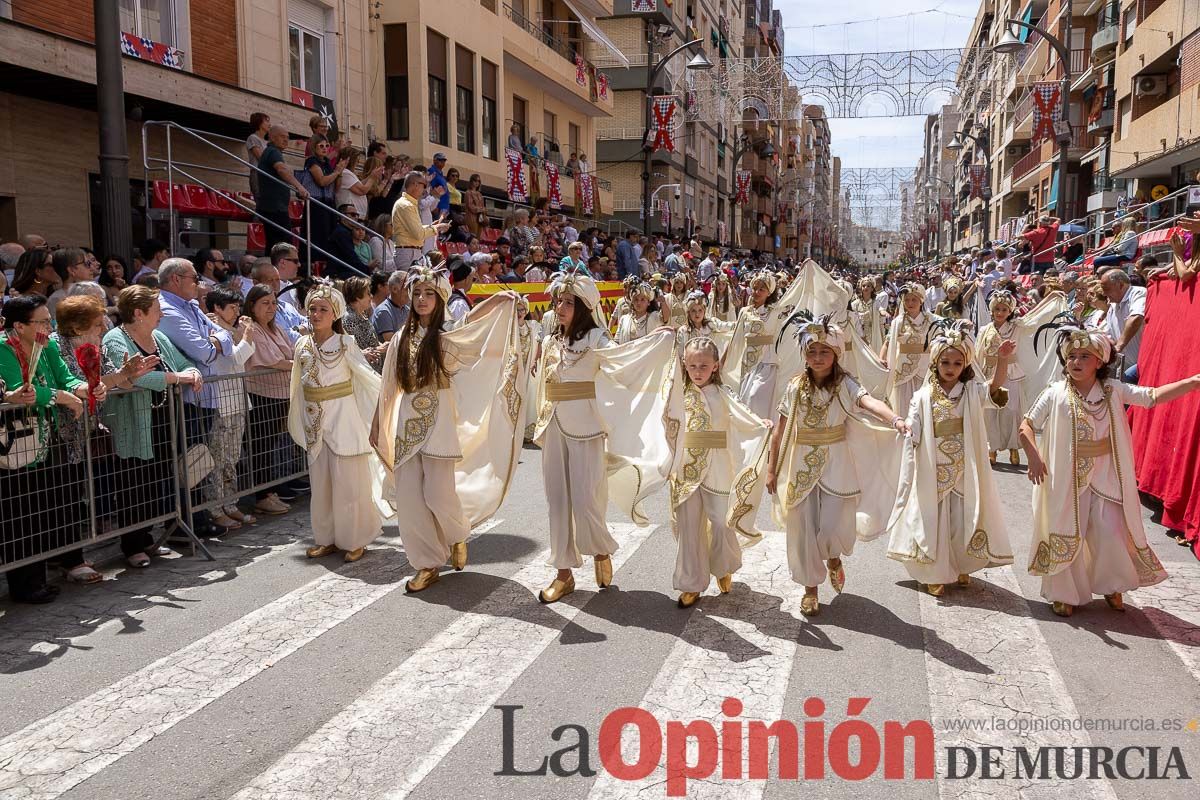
(121, 473)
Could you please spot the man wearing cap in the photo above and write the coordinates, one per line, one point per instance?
(462, 276)
(407, 229)
(438, 179)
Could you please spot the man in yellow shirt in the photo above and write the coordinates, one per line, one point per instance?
(407, 229)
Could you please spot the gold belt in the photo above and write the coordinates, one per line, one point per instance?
(704, 440)
(948, 427)
(912, 349)
(570, 390)
(317, 394)
(759, 340)
(849, 345)
(820, 436)
(1093, 448)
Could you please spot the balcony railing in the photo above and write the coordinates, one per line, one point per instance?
(1027, 163)
(564, 49)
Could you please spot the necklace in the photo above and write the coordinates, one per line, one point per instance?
(1096, 409)
(151, 350)
(330, 359)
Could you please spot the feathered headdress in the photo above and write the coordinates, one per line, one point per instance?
(329, 293)
(913, 288)
(695, 297)
(1071, 335)
(952, 283)
(643, 290)
(945, 333)
(809, 330)
(1002, 297)
(439, 279)
(766, 278)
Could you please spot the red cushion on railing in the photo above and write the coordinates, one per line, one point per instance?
(160, 194)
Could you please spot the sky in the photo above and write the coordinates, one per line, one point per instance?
(869, 26)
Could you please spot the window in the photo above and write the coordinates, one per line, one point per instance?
(438, 123)
(464, 77)
(150, 19)
(488, 73)
(305, 54)
(395, 68)
(572, 138)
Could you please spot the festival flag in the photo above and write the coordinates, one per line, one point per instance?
(945, 210)
(580, 70)
(977, 176)
(665, 205)
(584, 189)
(1046, 110)
(517, 191)
(664, 111)
(644, 6)
(552, 190)
(154, 52)
(602, 86)
(742, 187)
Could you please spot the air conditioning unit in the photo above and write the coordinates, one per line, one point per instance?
(1014, 150)
(1150, 85)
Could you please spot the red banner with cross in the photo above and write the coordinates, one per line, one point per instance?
(945, 210)
(517, 190)
(742, 186)
(602, 86)
(977, 175)
(552, 190)
(580, 70)
(664, 113)
(1046, 109)
(584, 189)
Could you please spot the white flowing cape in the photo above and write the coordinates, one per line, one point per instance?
(1040, 368)
(491, 419)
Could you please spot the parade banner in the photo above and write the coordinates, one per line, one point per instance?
(539, 299)
(584, 190)
(1046, 110)
(977, 176)
(664, 111)
(154, 52)
(945, 210)
(665, 206)
(602, 86)
(552, 189)
(517, 191)
(580, 70)
(742, 187)
(644, 6)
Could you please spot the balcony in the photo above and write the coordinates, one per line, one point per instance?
(1103, 118)
(1104, 40)
(527, 53)
(1027, 164)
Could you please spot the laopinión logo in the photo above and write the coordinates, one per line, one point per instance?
(853, 749)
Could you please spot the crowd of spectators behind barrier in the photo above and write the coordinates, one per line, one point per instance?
(224, 330)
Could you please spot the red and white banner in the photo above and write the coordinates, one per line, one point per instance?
(154, 52)
(945, 210)
(552, 190)
(978, 173)
(517, 190)
(585, 189)
(602, 86)
(580, 70)
(665, 206)
(664, 112)
(644, 6)
(742, 187)
(1046, 110)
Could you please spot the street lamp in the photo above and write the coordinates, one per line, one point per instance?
(1009, 44)
(697, 62)
(957, 144)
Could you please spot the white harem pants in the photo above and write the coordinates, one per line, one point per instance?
(430, 517)
(819, 527)
(704, 550)
(342, 509)
(1103, 564)
(577, 494)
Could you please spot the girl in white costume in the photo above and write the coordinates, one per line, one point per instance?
(723, 302)
(333, 396)
(700, 325)
(717, 477)
(907, 353)
(675, 308)
(600, 411)
(623, 305)
(644, 315)
(751, 359)
(1087, 519)
(449, 421)
(948, 521)
(820, 468)
(867, 317)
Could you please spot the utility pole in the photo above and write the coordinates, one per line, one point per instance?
(116, 224)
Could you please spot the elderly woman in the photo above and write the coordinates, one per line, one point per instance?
(140, 421)
(357, 320)
(36, 469)
(521, 235)
(269, 392)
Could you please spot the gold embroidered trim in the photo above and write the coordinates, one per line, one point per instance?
(416, 429)
(695, 459)
(980, 547)
(948, 427)
(1060, 548)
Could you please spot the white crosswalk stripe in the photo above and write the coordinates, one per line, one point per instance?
(1173, 608)
(56, 753)
(721, 653)
(987, 662)
(386, 742)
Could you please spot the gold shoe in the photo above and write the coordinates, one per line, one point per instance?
(1014, 457)
(1115, 601)
(936, 589)
(1062, 609)
(809, 606)
(557, 590)
(603, 571)
(725, 583)
(355, 554)
(964, 580)
(458, 555)
(422, 580)
(992, 456)
(320, 550)
(688, 599)
(837, 576)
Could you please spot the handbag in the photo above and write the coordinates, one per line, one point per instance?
(315, 190)
(23, 441)
(199, 463)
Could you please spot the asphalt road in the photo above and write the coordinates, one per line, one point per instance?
(266, 675)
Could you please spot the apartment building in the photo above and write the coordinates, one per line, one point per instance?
(207, 64)
(935, 188)
(459, 76)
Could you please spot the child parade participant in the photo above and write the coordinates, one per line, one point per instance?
(1087, 519)
(717, 477)
(644, 314)
(723, 302)
(333, 395)
(624, 303)
(751, 361)
(867, 316)
(675, 310)
(955, 304)
(907, 353)
(700, 325)
(819, 467)
(600, 411)
(947, 522)
(449, 421)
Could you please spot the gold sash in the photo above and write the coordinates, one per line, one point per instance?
(948, 427)
(820, 436)
(317, 394)
(759, 340)
(1093, 448)
(912, 349)
(704, 440)
(570, 390)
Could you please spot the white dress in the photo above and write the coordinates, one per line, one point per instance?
(1003, 424)
(754, 341)
(907, 358)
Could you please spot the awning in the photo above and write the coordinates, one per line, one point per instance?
(593, 30)
(1095, 153)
